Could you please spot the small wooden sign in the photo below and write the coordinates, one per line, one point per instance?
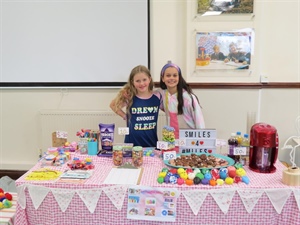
(57, 139)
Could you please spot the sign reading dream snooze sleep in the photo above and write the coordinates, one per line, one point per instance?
(72, 43)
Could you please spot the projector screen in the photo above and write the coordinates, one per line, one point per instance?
(73, 43)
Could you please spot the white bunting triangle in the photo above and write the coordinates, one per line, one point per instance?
(223, 198)
(116, 194)
(250, 197)
(297, 197)
(278, 197)
(63, 197)
(90, 198)
(21, 195)
(195, 199)
(37, 194)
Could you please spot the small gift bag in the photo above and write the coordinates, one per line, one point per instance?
(83, 145)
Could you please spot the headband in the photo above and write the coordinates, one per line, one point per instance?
(169, 65)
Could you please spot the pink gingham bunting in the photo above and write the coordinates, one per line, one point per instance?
(21, 195)
(278, 197)
(195, 199)
(297, 196)
(250, 197)
(223, 198)
(63, 197)
(37, 194)
(116, 194)
(90, 198)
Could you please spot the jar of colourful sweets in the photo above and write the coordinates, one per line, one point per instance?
(137, 156)
(117, 155)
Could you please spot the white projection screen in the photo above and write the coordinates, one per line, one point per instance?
(72, 43)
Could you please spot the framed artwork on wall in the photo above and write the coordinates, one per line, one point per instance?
(225, 6)
(223, 50)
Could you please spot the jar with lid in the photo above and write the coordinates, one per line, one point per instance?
(137, 156)
(117, 156)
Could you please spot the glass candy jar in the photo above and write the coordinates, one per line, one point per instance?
(137, 156)
(117, 155)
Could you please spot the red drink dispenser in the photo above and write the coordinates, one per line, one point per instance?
(263, 148)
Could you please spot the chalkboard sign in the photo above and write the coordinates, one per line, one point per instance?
(73, 43)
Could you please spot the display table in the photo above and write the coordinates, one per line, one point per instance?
(266, 200)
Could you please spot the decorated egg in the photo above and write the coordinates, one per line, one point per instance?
(237, 179)
(204, 171)
(184, 175)
(229, 180)
(240, 172)
(162, 174)
(173, 171)
(189, 182)
(167, 179)
(165, 170)
(223, 175)
(173, 179)
(180, 170)
(220, 182)
(180, 181)
(191, 176)
(197, 180)
(245, 179)
(205, 181)
(212, 182)
(196, 170)
(208, 176)
(160, 180)
(189, 170)
(200, 175)
(215, 174)
(223, 170)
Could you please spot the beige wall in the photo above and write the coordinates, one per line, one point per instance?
(224, 109)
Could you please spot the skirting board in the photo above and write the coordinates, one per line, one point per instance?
(13, 174)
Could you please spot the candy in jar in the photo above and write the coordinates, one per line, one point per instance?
(117, 155)
(137, 156)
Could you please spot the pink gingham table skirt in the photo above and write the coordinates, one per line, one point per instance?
(77, 213)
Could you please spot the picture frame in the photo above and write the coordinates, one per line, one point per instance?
(228, 50)
(225, 7)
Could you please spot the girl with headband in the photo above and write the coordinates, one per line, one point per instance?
(180, 104)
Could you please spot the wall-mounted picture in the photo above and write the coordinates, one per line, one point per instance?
(225, 6)
(224, 50)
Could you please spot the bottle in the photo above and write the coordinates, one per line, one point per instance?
(239, 138)
(246, 144)
(232, 143)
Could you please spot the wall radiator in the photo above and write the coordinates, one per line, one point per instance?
(73, 121)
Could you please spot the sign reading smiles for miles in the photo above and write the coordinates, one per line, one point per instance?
(198, 141)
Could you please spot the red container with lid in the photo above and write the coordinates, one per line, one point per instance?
(263, 148)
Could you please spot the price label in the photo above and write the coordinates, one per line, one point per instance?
(162, 145)
(169, 155)
(239, 151)
(221, 142)
(180, 142)
(123, 130)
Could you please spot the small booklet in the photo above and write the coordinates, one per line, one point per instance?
(77, 174)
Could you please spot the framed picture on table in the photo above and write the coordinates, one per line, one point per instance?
(223, 50)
